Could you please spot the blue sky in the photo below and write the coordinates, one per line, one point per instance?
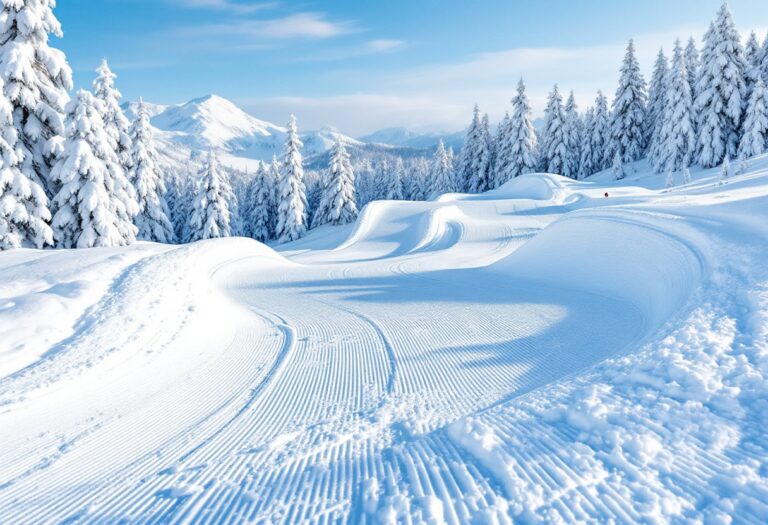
(362, 66)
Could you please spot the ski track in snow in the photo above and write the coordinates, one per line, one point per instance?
(533, 354)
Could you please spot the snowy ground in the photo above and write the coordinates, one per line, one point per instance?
(539, 353)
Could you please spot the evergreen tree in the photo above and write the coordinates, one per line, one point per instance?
(274, 183)
(482, 169)
(618, 167)
(670, 182)
(554, 151)
(470, 152)
(600, 138)
(586, 157)
(721, 91)
(762, 61)
(211, 217)
(628, 110)
(677, 140)
(503, 149)
(96, 203)
(179, 190)
(572, 133)
(37, 80)
(115, 121)
(657, 99)
(395, 188)
(756, 123)
(725, 170)
(692, 66)
(686, 175)
(292, 198)
(522, 137)
(259, 207)
(152, 218)
(441, 173)
(752, 51)
(24, 213)
(337, 203)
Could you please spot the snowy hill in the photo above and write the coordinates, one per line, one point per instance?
(536, 354)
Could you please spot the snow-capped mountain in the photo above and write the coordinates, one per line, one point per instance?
(213, 122)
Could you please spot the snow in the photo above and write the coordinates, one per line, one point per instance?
(536, 353)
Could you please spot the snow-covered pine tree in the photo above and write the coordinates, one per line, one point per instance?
(586, 166)
(720, 91)
(692, 65)
(502, 151)
(572, 133)
(670, 182)
(395, 187)
(210, 217)
(24, 213)
(725, 170)
(441, 173)
(274, 178)
(554, 150)
(337, 203)
(421, 179)
(686, 175)
(258, 215)
(753, 141)
(152, 219)
(115, 121)
(628, 110)
(618, 167)
(657, 101)
(521, 136)
(752, 50)
(763, 60)
(96, 203)
(601, 132)
(483, 166)
(178, 196)
(470, 152)
(292, 198)
(676, 140)
(37, 80)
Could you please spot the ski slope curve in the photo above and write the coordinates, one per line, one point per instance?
(538, 353)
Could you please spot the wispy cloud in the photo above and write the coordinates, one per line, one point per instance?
(299, 25)
(231, 6)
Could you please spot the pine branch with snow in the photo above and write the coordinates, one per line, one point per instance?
(24, 213)
(37, 81)
(657, 102)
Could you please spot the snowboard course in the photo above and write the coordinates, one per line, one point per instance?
(536, 354)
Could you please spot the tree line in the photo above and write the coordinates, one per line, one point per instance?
(76, 173)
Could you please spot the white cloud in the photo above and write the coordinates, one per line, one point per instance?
(384, 45)
(299, 25)
(224, 5)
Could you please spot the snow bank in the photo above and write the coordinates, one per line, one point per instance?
(619, 255)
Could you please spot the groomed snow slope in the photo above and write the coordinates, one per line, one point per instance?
(539, 353)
